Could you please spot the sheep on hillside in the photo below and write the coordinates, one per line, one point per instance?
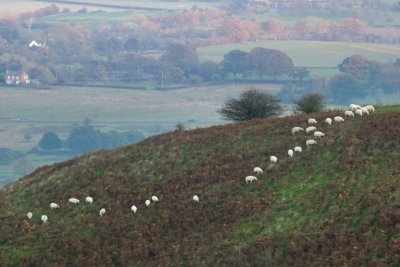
(73, 200)
(364, 110)
(328, 121)
(318, 134)
(370, 108)
(358, 112)
(54, 206)
(338, 119)
(310, 142)
(44, 218)
(250, 179)
(155, 199)
(310, 129)
(196, 198)
(312, 121)
(102, 212)
(258, 170)
(273, 159)
(134, 209)
(296, 130)
(290, 153)
(353, 107)
(298, 149)
(348, 113)
(29, 215)
(147, 203)
(89, 200)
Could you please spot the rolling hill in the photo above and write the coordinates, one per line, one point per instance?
(335, 204)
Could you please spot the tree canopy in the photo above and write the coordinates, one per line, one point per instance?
(251, 104)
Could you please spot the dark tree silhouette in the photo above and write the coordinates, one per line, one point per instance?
(309, 103)
(251, 104)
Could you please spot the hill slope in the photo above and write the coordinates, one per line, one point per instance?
(335, 204)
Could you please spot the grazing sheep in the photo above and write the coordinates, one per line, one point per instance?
(273, 159)
(358, 112)
(370, 108)
(250, 179)
(328, 121)
(147, 203)
(318, 134)
(155, 199)
(89, 200)
(29, 215)
(353, 107)
(298, 149)
(312, 121)
(196, 198)
(102, 212)
(258, 170)
(54, 206)
(364, 110)
(310, 129)
(296, 130)
(338, 119)
(310, 142)
(73, 200)
(290, 153)
(348, 113)
(134, 209)
(44, 218)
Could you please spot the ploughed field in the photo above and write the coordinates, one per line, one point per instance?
(336, 203)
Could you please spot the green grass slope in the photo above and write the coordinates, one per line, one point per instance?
(336, 204)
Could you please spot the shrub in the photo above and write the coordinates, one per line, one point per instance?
(251, 104)
(309, 103)
(50, 141)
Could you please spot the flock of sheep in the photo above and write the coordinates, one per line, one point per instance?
(89, 200)
(353, 110)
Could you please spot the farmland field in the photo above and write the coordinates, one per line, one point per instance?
(322, 57)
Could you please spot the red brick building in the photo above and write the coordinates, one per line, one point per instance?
(16, 78)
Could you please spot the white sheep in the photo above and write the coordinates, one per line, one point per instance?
(328, 121)
(258, 170)
(147, 203)
(273, 159)
(155, 199)
(54, 206)
(310, 129)
(29, 215)
(296, 130)
(318, 134)
(102, 212)
(73, 200)
(298, 149)
(196, 198)
(290, 153)
(364, 110)
(89, 200)
(358, 112)
(312, 121)
(134, 209)
(338, 119)
(44, 218)
(310, 142)
(353, 107)
(348, 113)
(250, 179)
(370, 108)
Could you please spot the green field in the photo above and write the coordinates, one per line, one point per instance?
(322, 57)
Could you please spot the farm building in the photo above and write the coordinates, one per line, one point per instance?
(16, 78)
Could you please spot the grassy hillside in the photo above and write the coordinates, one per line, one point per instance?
(335, 204)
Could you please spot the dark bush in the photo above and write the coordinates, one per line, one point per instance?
(309, 103)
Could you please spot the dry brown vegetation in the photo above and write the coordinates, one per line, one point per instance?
(335, 204)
